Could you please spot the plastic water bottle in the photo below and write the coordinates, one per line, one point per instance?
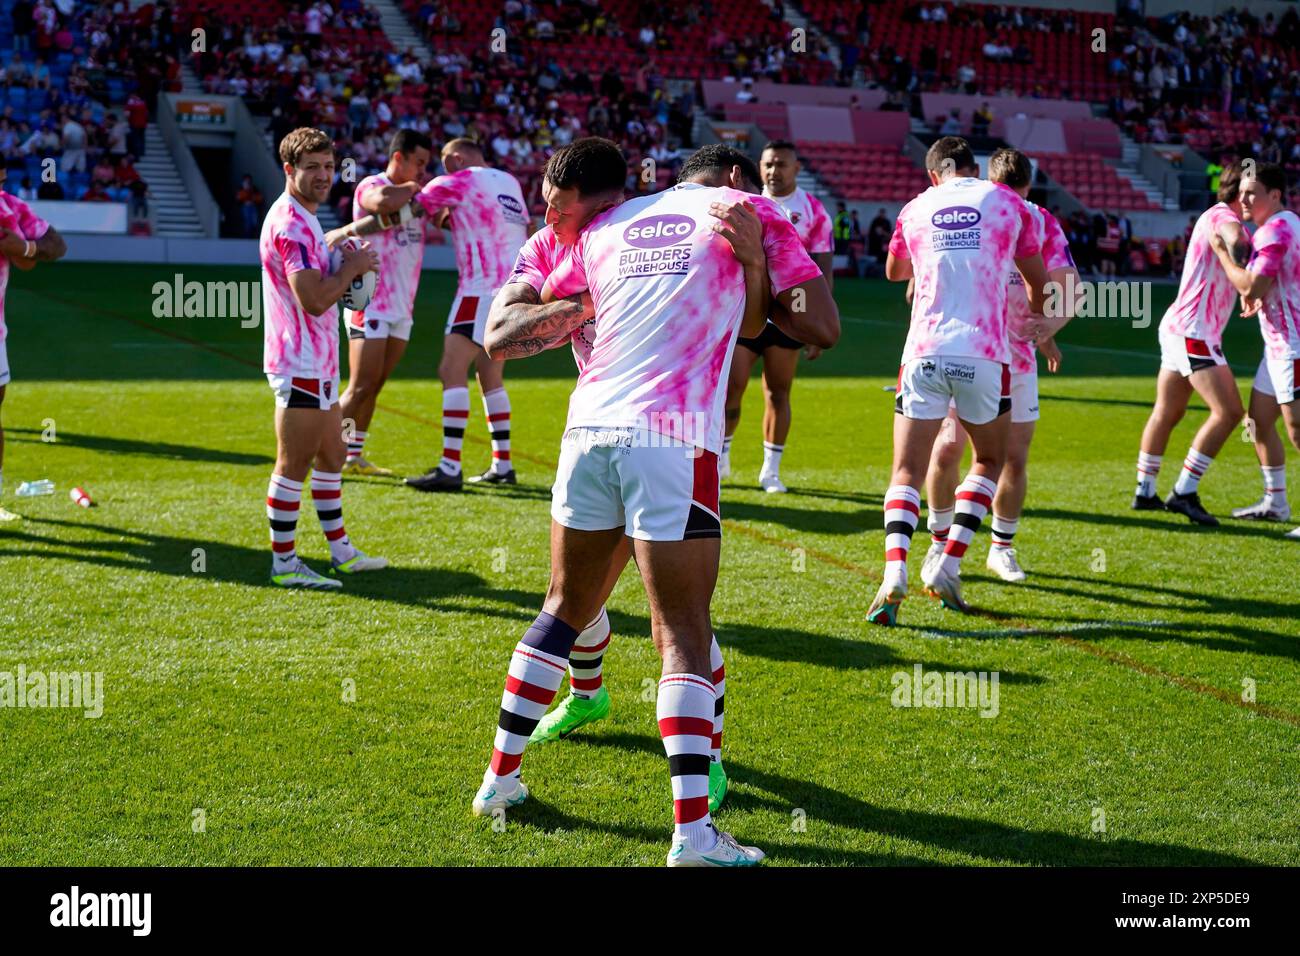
(30, 489)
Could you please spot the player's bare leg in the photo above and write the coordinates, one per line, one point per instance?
(1219, 389)
(1264, 412)
(299, 436)
(974, 498)
(496, 406)
(913, 442)
(779, 367)
(680, 577)
(743, 361)
(1172, 394)
(1009, 502)
(580, 569)
(1291, 421)
(5, 515)
(370, 363)
(588, 700)
(941, 481)
(458, 354)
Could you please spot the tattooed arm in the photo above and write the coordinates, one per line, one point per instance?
(520, 324)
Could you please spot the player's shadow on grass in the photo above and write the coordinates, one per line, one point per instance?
(755, 789)
(435, 589)
(1168, 521)
(114, 445)
(1128, 403)
(809, 520)
(796, 646)
(1275, 643)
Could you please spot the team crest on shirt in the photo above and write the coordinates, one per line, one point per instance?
(327, 387)
(927, 368)
(374, 324)
(795, 217)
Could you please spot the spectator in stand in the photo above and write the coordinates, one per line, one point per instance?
(137, 117)
(982, 120)
(1109, 246)
(96, 193)
(878, 234)
(74, 146)
(249, 198)
(952, 124)
(23, 25)
(50, 189)
(841, 229)
(25, 191)
(855, 227)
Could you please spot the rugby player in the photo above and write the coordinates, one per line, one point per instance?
(377, 334)
(959, 239)
(639, 459)
(1192, 360)
(1270, 286)
(25, 239)
(1011, 168)
(779, 165)
(301, 361)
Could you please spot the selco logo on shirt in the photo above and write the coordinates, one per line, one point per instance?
(658, 231)
(955, 217)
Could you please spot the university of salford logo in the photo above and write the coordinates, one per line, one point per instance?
(657, 231)
(956, 217)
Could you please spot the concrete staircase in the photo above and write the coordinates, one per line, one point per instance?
(1128, 169)
(792, 15)
(400, 31)
(171, 211)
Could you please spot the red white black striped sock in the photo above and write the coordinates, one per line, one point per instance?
(1195, 465)
(1004, 529)
(1148, 470)
(902, 510)
(974, 499)
(355, 444)
(1274, 486)
(938, 520)
(685, 712)
(496, 405)
(327, 496)
(719, 692)
(455, 413)
(283, 496)
(586, 658)
(537, 667)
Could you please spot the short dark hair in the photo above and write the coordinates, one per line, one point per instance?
(716, 159)
(1271, 176)
(947, 148)
(407, 141)
(1010, 167)
(592, 165)
(776, 144)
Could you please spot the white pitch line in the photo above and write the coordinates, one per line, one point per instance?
(1073, 628)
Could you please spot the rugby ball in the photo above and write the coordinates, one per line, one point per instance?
(359, 293)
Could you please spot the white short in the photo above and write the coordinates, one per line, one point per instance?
(295, 392)
(1185, 356)
(468, 316)
(4, 363)
(636, 480)
(1279, 377)
(1024, 397)
(363, 326)
(980, 389)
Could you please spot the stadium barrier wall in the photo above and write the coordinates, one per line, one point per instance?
(213, 252)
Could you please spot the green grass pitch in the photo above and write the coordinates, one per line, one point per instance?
(1122, 735)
